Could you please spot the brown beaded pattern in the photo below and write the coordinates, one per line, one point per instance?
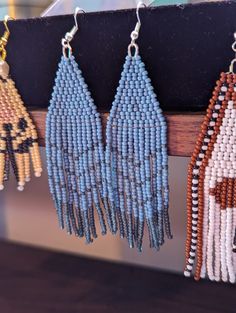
(229, 95)
(199, 161)
(193, 161)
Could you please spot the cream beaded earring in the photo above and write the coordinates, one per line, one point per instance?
(18, 136)
(211, 199)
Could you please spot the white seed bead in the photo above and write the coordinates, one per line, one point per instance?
(187, 274)
(20, 188)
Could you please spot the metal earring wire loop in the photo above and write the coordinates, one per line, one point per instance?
(4, 38)
(135, 33)
(66, 47)
(139, 5)
(77, 11)
(6, 19)
(135, 47)
(231, 67)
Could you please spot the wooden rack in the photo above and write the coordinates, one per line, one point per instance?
(183, 129)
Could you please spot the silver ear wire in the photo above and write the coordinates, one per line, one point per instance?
(135, 33)
(66, 47)
(231, 67)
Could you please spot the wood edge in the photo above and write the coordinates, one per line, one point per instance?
(183, 129)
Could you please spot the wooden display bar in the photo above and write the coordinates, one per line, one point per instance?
(183, 129)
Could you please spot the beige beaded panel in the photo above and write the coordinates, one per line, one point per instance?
(18, 136)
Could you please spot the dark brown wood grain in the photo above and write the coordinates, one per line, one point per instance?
(183, 130)
(38, 281)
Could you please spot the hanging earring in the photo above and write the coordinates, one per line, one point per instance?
(211, 200)
(75, 152)
(18, 136)
(136, 154)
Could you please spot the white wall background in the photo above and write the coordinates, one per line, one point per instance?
(29, 217)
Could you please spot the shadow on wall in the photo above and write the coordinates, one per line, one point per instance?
(3, 223)
(29, 217)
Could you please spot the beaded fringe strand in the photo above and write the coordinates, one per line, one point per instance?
(211, 200)
(75, 155)
(136, 158)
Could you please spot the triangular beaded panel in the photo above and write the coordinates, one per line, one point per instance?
(18, 137)
(75, 154)
(136, 158)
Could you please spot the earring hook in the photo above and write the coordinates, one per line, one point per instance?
(231, 67)
(66, 47)
(135, 33)
(139, 5)
(4, 38)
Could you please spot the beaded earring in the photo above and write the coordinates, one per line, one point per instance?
(18, 136)
(75, 152)
(211, 199)
(136, 154)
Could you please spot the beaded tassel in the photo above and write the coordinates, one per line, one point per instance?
(75, 155)
(136, 154)
(136, 158)
(75, 152)
(212, 189)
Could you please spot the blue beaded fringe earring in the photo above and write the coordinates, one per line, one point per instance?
(136, 154)
(75, 151)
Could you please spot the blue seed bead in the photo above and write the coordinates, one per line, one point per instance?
(74, 151)
(136, 156)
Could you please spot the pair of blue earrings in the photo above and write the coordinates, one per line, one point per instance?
(125, 183)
